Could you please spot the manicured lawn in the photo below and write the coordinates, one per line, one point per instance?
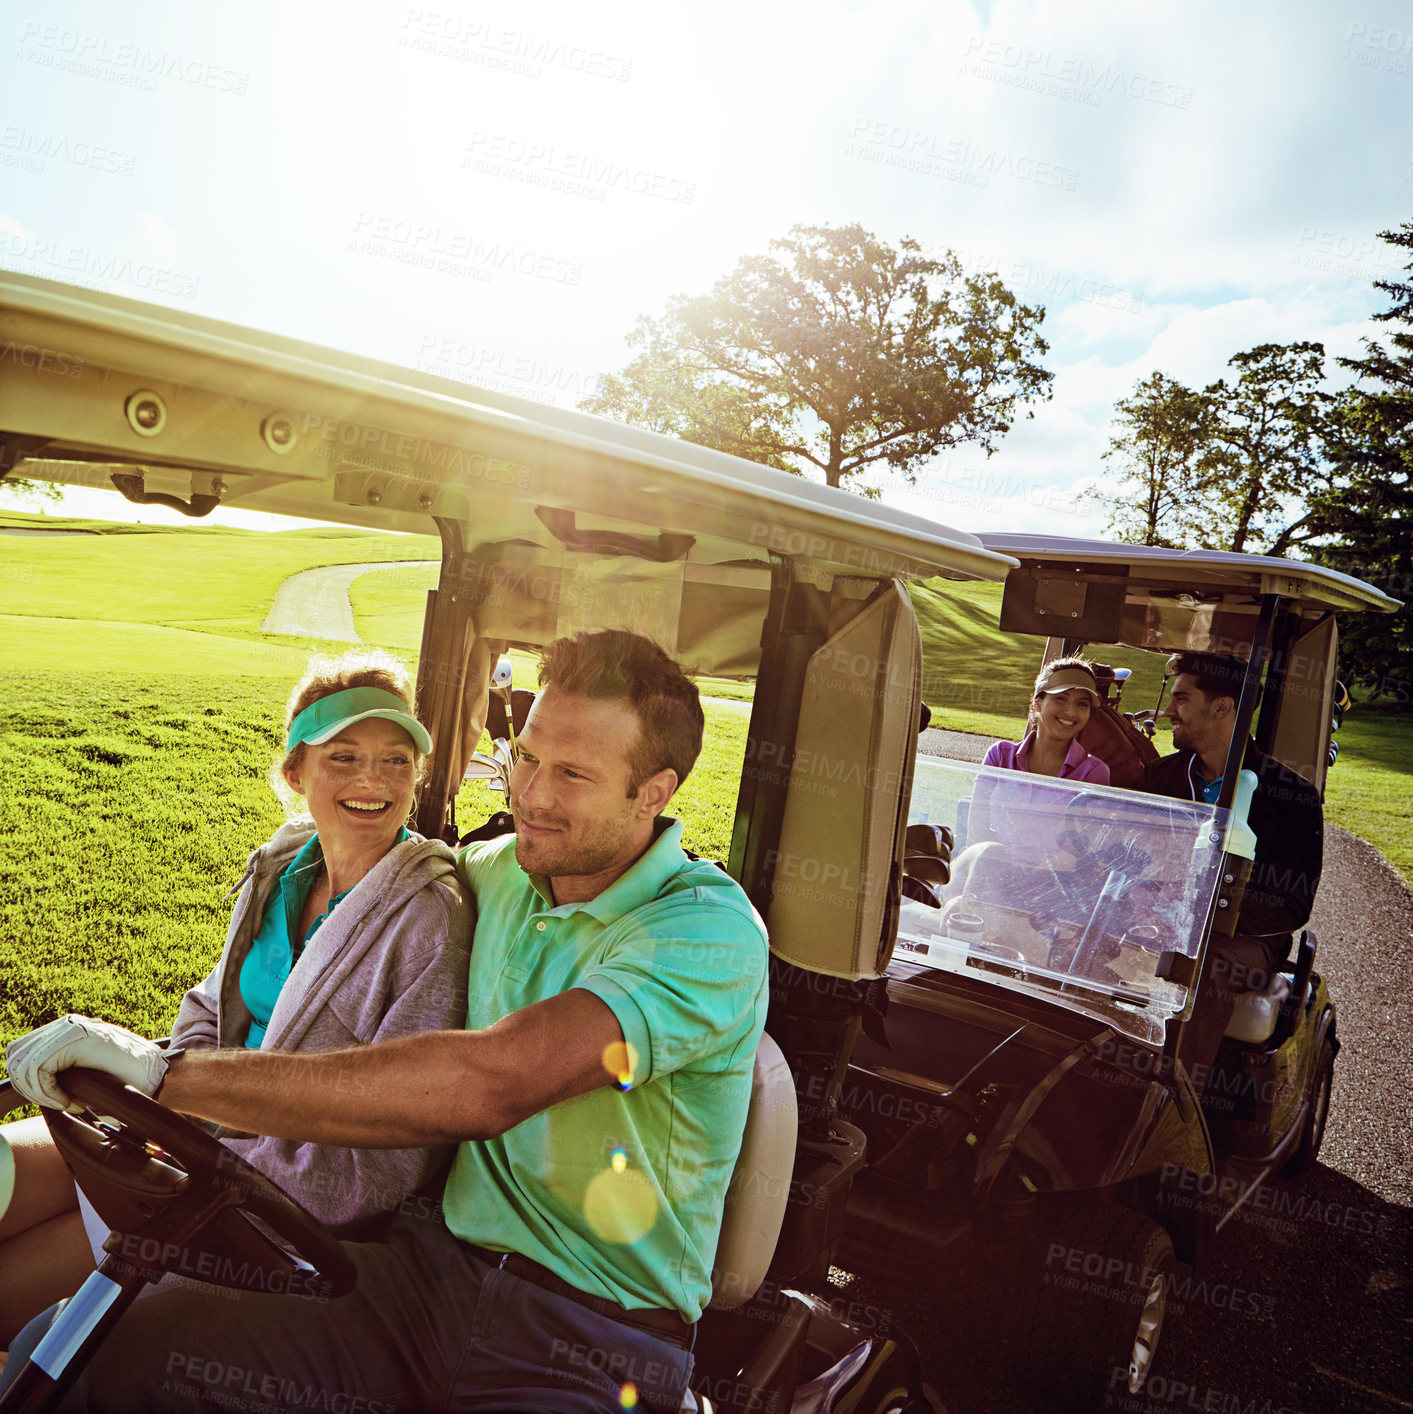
(388, 606)
(129, 809)
(1369, 786)
(108, 591)
(29, 642)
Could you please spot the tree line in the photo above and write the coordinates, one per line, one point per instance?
(837, 353)
(1267, 460)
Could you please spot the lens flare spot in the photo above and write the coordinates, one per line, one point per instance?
(628, 1396)
(619, 1203)
(620, 1059)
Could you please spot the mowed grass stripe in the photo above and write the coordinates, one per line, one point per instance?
(130, 807)
(30, 643)
(389, 605)
(210, 576)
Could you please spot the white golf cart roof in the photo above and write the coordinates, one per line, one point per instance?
(197, 407)
(1204, 572)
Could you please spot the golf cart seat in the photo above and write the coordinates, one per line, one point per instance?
(1271, 1013)
(760, 1185)
(743, 1358)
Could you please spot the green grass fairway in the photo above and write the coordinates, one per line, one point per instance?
(29, 642)
(388, 605)
(208, 580)
(1367, 789)
(130, 807)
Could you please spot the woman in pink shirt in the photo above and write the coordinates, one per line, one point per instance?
(1065, 694)
(1009, 812)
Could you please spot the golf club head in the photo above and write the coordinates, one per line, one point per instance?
(497, 724)
(489, 769)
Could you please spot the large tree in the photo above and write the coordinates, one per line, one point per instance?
(1264, 458)
(1158, 443)
(1368, 512)
(839, 353)
(21, 489)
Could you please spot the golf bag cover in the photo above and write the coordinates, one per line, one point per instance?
(1110, 736)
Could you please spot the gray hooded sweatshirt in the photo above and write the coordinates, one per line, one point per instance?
(390, 960)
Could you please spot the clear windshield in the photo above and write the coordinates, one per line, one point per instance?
(1068, 889)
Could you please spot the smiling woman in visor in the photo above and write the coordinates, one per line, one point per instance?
(348, 929)
(1027, 821)
(1065, 694)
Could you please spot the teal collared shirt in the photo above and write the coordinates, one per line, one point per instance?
(619, 1191)
(1202, 788)
(267, 965)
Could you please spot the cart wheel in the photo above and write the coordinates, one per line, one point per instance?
(1096, 1315)
(1313, 1134)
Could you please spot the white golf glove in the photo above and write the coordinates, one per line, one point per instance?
(35, 1059)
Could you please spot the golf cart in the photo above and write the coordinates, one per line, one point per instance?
(1020, 1088)
(550, 522)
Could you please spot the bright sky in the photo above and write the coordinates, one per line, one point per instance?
(495, 192)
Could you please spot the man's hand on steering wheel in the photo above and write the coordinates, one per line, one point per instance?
(35, 1059)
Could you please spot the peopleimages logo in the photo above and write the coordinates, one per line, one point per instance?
(32, 150)
(461, 253)
(934, 154)
(510, 50)
(587, 174)
(1025, 66)
(78, 265)
(122, 61)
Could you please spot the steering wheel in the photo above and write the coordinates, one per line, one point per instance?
(163, 1182)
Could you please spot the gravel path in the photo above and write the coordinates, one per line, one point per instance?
(960, 746)
(315, 603)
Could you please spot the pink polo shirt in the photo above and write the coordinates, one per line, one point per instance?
(1025, 815)
(1078, 764)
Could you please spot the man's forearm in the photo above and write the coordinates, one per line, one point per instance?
(436, 1088)
(388, 1096)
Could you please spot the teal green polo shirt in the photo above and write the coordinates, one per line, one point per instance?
(267, 965)
(619, 1191)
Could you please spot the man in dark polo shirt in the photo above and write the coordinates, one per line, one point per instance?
(1289, 827)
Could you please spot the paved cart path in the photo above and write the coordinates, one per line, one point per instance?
(315, 604)
(960, 746)
(1307, 1303)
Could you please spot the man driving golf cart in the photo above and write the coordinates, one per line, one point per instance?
(599, 1093)
(1045, 1008)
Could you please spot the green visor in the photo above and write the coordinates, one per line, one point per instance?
(328, 716)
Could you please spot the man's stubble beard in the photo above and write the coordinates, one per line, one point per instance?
(561, 860)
